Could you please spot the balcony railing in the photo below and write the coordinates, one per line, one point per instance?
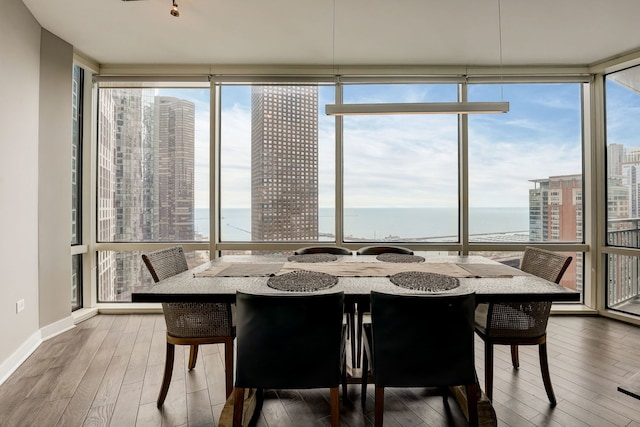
(623, 290)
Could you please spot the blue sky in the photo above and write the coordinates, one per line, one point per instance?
(411, 161)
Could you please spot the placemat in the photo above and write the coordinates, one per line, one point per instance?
(390, 257)
(241, 270)
(302, 281)
(492, 270)
(422, 281)
(373, 269)
(313, 258)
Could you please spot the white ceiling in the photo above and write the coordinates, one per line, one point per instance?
(367, 32)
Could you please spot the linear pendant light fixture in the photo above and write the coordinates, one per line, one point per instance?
(420, 107)
(417, 108)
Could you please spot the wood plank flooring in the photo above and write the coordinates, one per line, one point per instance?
(107, 372)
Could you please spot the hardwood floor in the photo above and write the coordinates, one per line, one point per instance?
(107, 371)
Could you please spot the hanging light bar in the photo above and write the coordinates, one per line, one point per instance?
(417, 108)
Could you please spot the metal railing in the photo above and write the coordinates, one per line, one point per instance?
(622, 270)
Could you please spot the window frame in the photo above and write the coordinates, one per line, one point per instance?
(463, 246)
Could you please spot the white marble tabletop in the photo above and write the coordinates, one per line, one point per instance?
(191, 287)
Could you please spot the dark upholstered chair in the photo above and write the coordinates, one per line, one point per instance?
(421, 341)
(349, 309)
(377, 250)
(335, 250)
(373, 250)
(190, 324)
(290, 342)
(521, 323)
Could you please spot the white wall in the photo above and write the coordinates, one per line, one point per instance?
(35, 183)
(56, 62)
(19, 89)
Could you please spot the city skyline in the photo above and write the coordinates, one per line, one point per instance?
(145, 179)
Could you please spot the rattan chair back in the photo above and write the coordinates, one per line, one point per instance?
(187, 320)
(527, 319)
(545, 264)
(165, 263)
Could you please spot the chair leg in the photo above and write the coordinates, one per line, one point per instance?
(238, 406)
(193, 356)
(473, 395)
(365, 377)
(343, 362)
(546, 378)
(168, 371)
(515, 360)
(335, 406)
(352, 337)
(359, 339)
(379, 407)
(344, 381)
(228, 365)
(488, 369)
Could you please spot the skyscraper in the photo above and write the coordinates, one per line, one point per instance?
(555, 215)
(125, 113)
(174, 168)
(146, 180)
(284, 163)
(631, 180)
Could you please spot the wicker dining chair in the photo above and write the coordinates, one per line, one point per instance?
(190, 324)
(421, 341)
(521, 323)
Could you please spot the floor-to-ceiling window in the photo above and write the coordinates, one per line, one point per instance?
(282, 166)
(400, 171)
(77, 100)
(622, 105)
(152, 177)
(277, 163)
(526, 179)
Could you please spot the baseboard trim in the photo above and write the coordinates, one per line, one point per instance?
(56, 328)
(32, 343)
(14, 361)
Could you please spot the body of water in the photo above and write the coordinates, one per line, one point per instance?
(406, 224)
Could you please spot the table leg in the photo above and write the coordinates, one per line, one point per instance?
(486, 413)
(252, 403)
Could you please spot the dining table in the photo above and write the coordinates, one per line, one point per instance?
(219, 279)
(357, 276)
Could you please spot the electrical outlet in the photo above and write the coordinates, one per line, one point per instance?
(19, 306)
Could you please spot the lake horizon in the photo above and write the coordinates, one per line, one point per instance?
(386, 224)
